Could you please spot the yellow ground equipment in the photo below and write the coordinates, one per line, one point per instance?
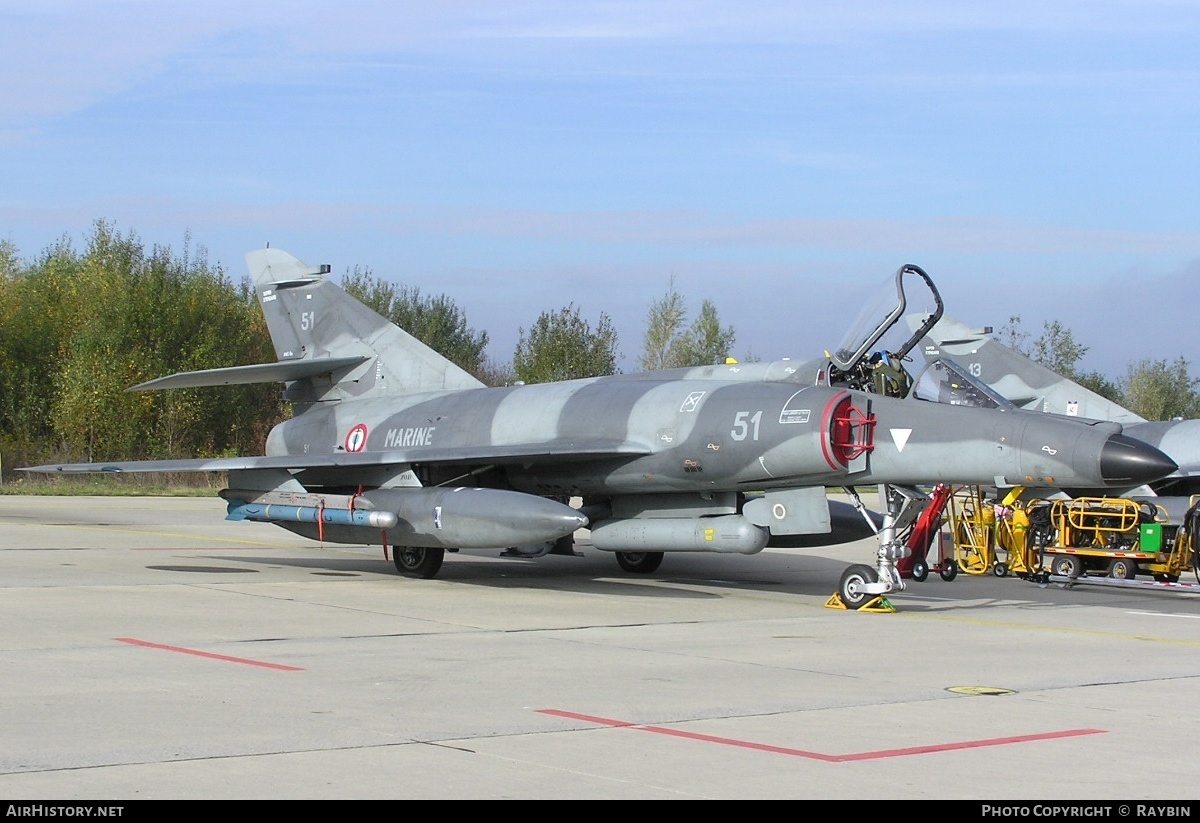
(989, 535)
(1105, 535)
(1073, 540)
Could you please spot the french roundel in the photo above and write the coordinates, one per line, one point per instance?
(356, 438)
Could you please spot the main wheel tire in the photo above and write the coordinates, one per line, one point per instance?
(949, 570)
(1066, 565)
(1122, 568)
(852, 587)
(920, 570)
(640, 562)
(417, 561)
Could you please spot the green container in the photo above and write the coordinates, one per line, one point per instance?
(1151, 537)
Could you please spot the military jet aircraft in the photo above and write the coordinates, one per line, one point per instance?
(392, 444)
(1030, 385)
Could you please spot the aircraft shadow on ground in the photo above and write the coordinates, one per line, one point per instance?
(557, 574)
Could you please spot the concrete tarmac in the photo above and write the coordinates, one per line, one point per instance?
(153, 650)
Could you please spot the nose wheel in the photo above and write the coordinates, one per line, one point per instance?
(863, 587)
(854, 588)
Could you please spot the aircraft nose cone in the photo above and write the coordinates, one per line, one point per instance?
(1124, 459)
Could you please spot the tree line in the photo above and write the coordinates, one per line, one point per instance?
(78, 328)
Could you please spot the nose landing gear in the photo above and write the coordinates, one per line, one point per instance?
(864, 588)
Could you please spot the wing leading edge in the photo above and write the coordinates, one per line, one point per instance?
(284, 371)
(539, 453)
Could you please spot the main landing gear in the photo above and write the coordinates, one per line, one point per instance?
(640, 562)
(417, 561)
(863, 587)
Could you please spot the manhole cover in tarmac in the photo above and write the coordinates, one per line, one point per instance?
(204, 569)
(977, 690)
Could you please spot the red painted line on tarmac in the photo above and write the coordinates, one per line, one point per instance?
(827, 758)
(246, 661)
(969, 744)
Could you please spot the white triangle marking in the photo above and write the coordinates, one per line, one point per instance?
(900, 438)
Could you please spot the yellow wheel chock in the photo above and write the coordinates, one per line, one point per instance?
(878, 604)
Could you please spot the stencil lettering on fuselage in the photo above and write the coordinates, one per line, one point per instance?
(409, 436)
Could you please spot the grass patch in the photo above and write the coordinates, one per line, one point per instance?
(112, 485)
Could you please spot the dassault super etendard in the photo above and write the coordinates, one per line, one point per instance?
(392, 444)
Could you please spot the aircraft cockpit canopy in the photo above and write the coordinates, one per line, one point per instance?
(911, 288)
(944, 381)
(872, 354)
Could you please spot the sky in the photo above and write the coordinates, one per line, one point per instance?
(1039, 160)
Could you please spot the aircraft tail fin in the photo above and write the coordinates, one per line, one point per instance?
(1026, 383)
(314, 323)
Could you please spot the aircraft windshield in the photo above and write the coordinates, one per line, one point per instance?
(944, 381)
(909, 289)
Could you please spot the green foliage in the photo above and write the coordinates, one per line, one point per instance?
(1057, 349)
(10, 264)
(493, 373)
(562, 346)
(1158, 390)
(119, 485)
(667, 344)
(437, 322)
(1011, 335)
(707, 342)
(664, 328)
(1101, 385)
(77, 330)
(34, 315)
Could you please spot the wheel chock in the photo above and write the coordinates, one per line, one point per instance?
(879, 604)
